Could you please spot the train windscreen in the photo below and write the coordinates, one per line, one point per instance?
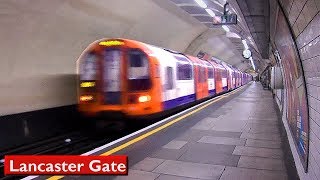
(88, 67)
(138, 71)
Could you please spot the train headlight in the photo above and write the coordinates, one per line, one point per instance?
(86, 98)
(144, 98)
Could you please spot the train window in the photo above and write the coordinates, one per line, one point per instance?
(169, 78)
(88, 68)
(224, 73)
(210, 73)
(138, 71)
(184, 71)
(184, 68)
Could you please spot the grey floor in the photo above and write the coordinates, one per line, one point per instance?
(238, 141)
(235, 138)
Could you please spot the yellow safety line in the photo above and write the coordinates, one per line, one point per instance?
(116, 149)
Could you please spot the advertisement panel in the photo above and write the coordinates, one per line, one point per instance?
(297, 108)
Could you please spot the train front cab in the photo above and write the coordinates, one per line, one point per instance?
(124, 79)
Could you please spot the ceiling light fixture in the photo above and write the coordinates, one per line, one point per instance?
(201, 3)
(254, 67)
(237, 36)
(209, 11)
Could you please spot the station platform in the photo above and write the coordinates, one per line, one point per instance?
(235, 137)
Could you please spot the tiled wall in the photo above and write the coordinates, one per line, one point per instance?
(304, 19)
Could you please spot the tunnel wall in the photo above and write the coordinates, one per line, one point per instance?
(304, 20)
(42, 39)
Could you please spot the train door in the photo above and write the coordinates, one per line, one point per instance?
(224, 80)
(229, 78)
(199, 75)
(238, 78)
(112, 70)
(218, 79)
(211, 81)
(200, 82)
(197, 81)
(204, 80)
(234, 79)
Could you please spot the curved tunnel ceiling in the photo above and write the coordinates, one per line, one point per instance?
(242, 29)
(256, 14)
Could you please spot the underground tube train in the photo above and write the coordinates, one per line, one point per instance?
(137, 79)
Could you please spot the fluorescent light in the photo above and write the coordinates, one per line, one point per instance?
(254, 67)
(244, 42)
(237, 36)
(209, 11)
(226, 28)
(201, 3)
(233, 35)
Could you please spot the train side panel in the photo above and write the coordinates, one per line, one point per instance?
(177, 80)
(200, 77)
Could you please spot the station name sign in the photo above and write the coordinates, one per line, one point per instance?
(227, 19)
(65, 165)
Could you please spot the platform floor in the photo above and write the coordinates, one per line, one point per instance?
(235, 138)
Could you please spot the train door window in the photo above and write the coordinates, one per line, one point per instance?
(210, 73)
(169, 78)
(138, 71)
(202, 74)
(199, 74)
(88, 67)
(111, 70)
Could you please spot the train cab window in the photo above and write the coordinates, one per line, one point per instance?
(169, 78)
(138, 71)
(88, 66)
